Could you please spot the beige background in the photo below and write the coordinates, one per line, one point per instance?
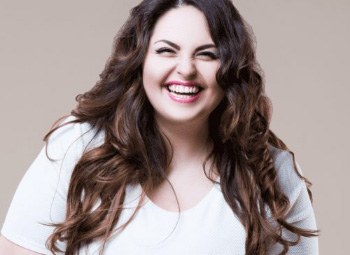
(52, 50)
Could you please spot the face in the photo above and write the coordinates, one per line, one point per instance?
(179, 71)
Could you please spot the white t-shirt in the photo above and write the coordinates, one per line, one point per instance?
(208, 228)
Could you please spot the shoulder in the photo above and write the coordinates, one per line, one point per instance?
(288, 173)
(73, 138)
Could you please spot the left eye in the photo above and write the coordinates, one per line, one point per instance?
(209, 54)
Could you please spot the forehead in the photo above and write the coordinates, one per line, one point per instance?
(185, 23)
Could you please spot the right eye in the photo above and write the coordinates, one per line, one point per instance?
(164, 50)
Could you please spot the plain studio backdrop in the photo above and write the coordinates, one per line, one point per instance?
(53, 50)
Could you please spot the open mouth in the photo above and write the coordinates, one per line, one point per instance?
(181, 90)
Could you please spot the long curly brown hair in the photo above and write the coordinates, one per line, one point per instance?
(135, 151)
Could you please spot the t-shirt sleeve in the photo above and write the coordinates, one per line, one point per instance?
(301, 213)
(40, 198)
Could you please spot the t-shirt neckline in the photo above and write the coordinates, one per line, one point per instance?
(150, 204)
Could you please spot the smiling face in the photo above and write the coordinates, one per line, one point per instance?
(179, 71)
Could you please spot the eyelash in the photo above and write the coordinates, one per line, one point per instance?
(204, 53)
(209, 54)
(161, 50)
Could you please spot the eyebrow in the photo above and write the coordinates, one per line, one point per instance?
(174, 45)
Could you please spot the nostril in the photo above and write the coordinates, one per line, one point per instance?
(186, 69)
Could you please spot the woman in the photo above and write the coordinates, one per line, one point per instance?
(169, 153)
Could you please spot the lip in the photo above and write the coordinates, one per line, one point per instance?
(179, 99)
(183, 83)
(190, 99)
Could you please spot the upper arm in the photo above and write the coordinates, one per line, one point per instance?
(40, 198)
(9, 248)
(301, 213)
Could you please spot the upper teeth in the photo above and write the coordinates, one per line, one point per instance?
(183, 89)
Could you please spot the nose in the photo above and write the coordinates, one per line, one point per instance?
(186, 67)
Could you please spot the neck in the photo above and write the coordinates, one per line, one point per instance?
(189, 141)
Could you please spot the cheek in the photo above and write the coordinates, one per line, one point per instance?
(155, 72)
(208, 71)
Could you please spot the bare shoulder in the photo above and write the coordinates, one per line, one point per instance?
(9, 248)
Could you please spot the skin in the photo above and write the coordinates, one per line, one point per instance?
(173, 55)
(9, 248)
(186, 125)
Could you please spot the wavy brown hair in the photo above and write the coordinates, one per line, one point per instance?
(135, 151)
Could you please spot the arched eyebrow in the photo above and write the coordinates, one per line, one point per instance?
(174, 45)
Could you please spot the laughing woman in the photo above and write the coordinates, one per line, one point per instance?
(169, 153)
